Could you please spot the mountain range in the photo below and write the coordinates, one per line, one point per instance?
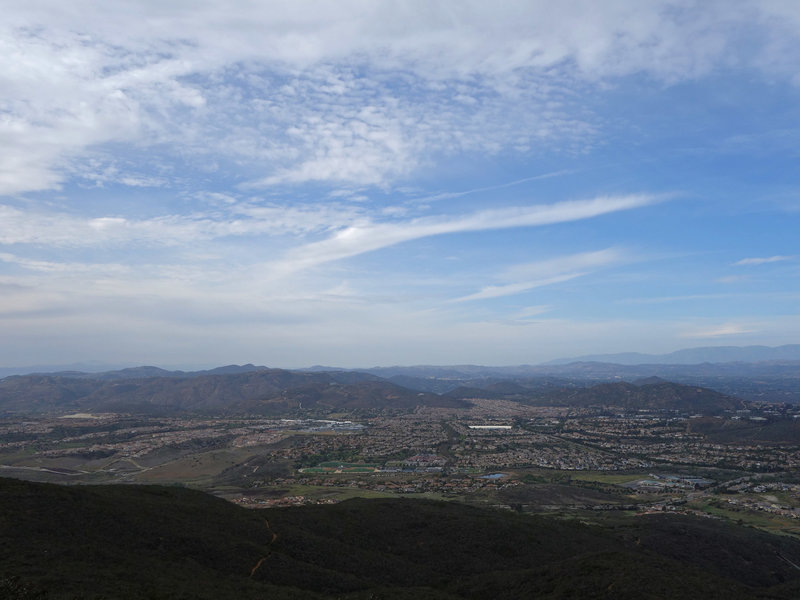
(252, 389)
(225, 391)
(687, 356)
(276, 392)
(691, 356)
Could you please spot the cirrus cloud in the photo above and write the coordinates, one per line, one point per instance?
(351, 93)
(762, 261)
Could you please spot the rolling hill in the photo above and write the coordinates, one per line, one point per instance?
(662, 395)
(155, 542)
(263, 392)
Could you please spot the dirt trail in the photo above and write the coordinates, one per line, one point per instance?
(263, 558)
(258, 564)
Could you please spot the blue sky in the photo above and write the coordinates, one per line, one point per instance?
(375, 183)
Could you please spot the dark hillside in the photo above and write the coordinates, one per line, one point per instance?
(126, 542)
(769, 432)
(659, 396)
(737, 553)
(155, 542)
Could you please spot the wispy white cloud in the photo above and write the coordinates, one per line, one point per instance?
(531, 311)
(547, 272)
(496, 291)
(46, 266)
(438, 40)
(762, 261)
(732, 279)
(47, 228)
(369, 236)
(369, 133)
(693, 298)
(353, 93)
(142, 181)
(491, 188)
(66, 92)
(727, 329)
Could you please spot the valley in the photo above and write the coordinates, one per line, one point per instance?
(245, 481)
(493, 452)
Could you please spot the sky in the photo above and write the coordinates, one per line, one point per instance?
(363, 183)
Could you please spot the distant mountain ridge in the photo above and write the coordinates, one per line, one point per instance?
(245, 389)
(235, 390)
(693, 356)
(228, 390)
(716, 355)
(142, 372)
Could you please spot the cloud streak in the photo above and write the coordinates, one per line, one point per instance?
(245, 219)
(369, 237)
(761, 261)
(46, 266)
(549, 272)
(725, 330)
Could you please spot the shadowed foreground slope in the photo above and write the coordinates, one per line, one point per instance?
(155, 542)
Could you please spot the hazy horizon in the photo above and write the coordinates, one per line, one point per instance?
(712, 354)
(354, 184)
